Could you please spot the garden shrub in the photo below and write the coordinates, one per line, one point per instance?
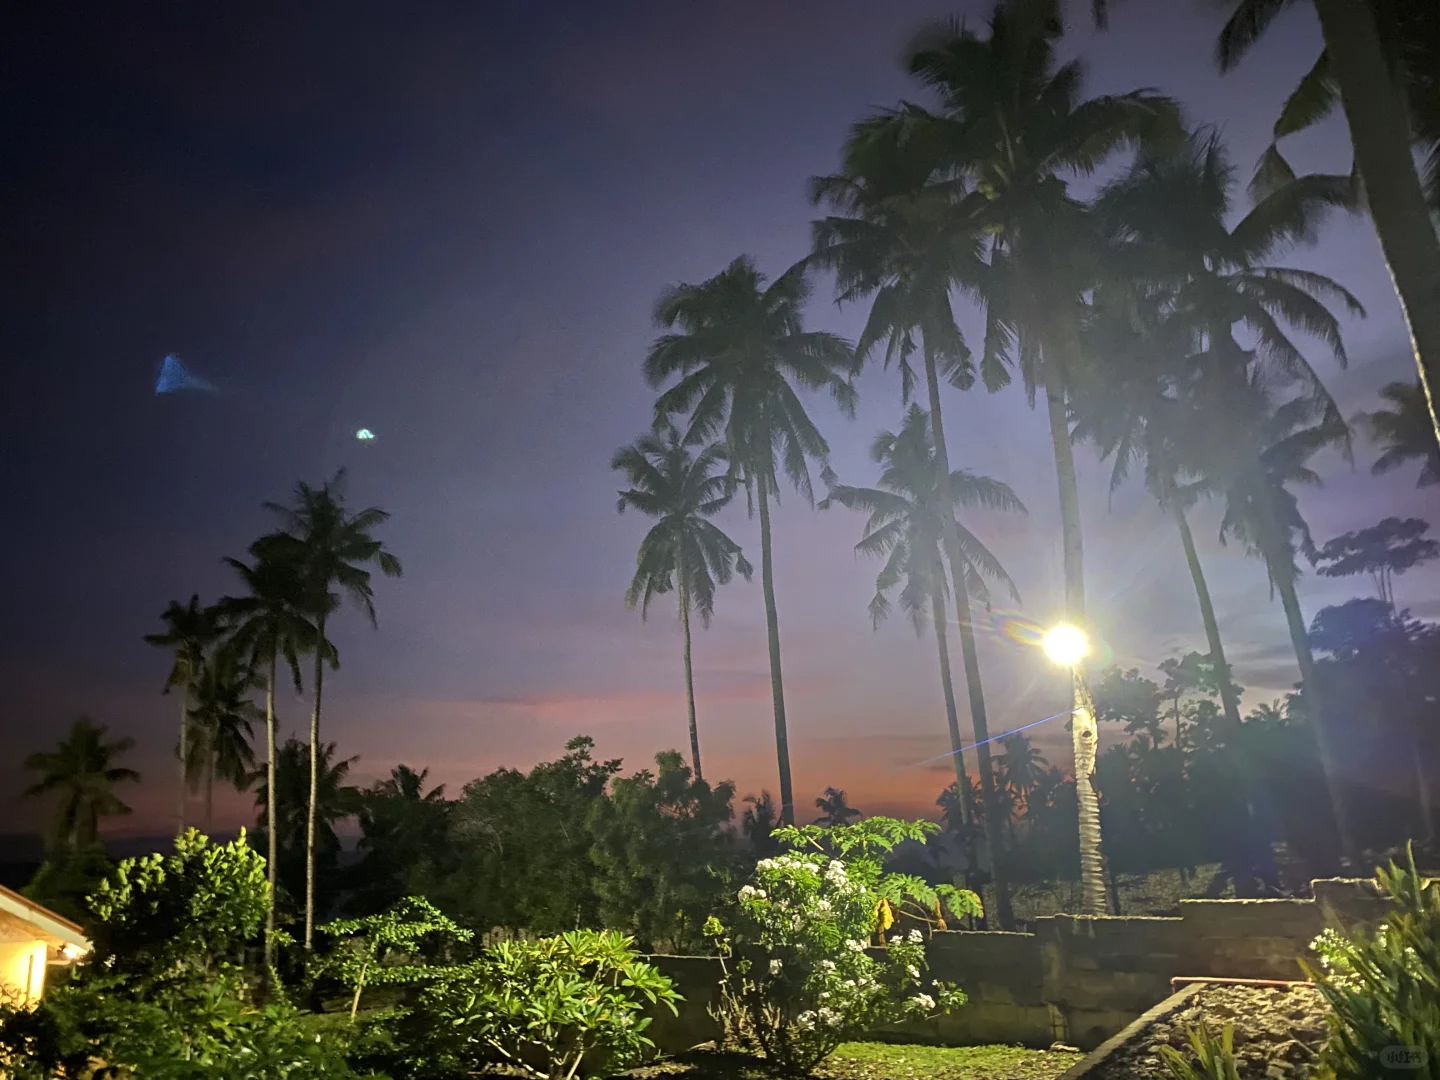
(1384, 988)
(555, 1007)
(383, 950)
(800, 977)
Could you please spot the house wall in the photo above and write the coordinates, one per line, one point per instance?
(1078, 979)
(22, 971)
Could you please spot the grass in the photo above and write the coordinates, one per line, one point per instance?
(890, 1061)
(877, 1061)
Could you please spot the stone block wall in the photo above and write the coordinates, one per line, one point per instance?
(1078, 979)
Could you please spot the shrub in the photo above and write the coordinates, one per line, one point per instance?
(380, 950)
(1384, 988)
(551, 1007)
(169, 915)
(799, 976)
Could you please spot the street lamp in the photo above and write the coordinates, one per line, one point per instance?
(1067, 646)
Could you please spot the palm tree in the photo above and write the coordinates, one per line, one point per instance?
(402, 825)
(758, 822)
(1023, 767)
(1371, 87)
(1186, 279)
(221, 726)
(189, 631)
(1252, 460)
(684, 550)
(332, 549)
(265, 625)
(910, 516)
(738, 356)
(1013, 123)
(834, 810)
(909, 241)
(82, 770)
(1404, 432)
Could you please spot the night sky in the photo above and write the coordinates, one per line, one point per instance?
(448, 223)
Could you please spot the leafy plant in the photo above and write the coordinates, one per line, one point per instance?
(173, 914)
(1214, 1057)
(551, 1007)
(1384, 988)
(799, 978)
(381, 949)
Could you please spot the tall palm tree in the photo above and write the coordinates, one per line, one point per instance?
(684, 550)
(834, 810)
(82, 770)
(189, 631)
(1404, 432)
(1023, 766)
(909, 240)
(1013, 123)
(1371, 86)
(332, 547)
(265, 625)
(911, 514)
(222, 722)
(1187, 280)
(738, 351)
(1252, 459)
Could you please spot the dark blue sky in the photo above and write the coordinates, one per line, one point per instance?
(448, 223)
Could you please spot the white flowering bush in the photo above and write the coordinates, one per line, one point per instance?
(800, 974)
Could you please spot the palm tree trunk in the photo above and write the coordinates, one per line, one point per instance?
(1085, 735)
(1259, 857)
(1376, 113)
(210, 784)
(271, 839)
(314, 787)
(772, 630)
(184, 763)
(969, 657)
(1319, 710)
(952, 717)
(1422, 791)
(684, 590)
(1228, 699)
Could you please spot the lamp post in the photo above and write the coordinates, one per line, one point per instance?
(1067, 646)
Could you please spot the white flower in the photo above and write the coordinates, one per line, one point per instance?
(924, 1001)
(796, 923)
(829, 1017)
(916, 937)
(747, 891)
(775, 966)
(913, 972)
(827, 965)
(822, 905)
(855, 945)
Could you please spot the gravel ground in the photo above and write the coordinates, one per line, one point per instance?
(1277, 1033)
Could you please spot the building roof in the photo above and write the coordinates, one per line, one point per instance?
(20, 916)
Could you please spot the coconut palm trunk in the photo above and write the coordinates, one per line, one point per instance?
(1376, 114)
(210, 784)
(969, 657)
(314, 786)
(952, 717)
(1257, 853)
(272, 842)
(1085, 735)
(184, 760)
(772, 630)
(684, 591)
(1228, 699)
(1319, 712)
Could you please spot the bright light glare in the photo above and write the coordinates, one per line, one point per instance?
(1065, 645)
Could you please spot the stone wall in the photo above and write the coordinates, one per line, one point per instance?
(1079, 979)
